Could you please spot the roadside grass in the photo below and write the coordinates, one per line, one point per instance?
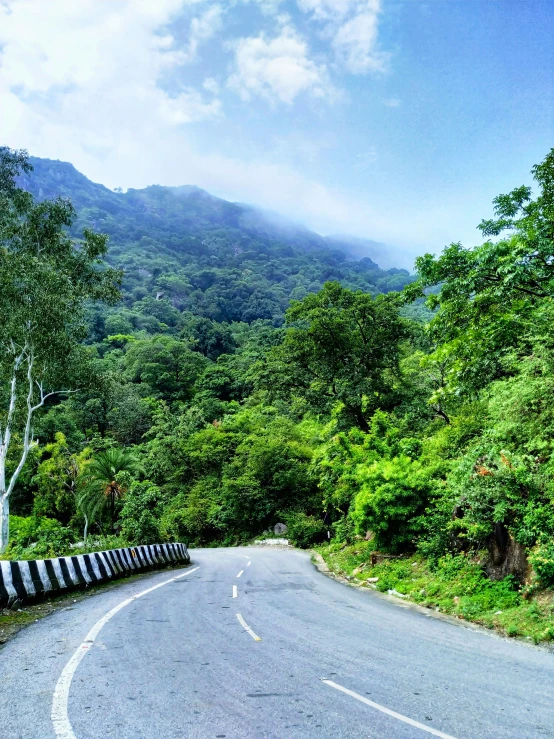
(454, 585)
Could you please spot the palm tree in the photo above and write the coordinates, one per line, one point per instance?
(103, 482)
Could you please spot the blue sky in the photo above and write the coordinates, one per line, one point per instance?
(395, 120)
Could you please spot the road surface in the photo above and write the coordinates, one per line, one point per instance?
(254, 642)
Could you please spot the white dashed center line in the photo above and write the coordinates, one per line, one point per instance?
(240, 573)
(235, 593)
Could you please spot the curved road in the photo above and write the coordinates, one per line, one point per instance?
(187, 659)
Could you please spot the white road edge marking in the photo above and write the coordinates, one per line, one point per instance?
(248, 565)
(59, 714)
(378, 707)
(235, 591)
(240, 573)
(245, 626)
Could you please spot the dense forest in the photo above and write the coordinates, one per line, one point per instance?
(222, 378)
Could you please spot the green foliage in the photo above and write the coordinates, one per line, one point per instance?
(38, 537)
(104, 481)
(46, 279)
(165, 366)
(44, 290)
(488, 294)
(141, 513)
(454, 584)
(193, 517)
(303, 530)
(430, 426)
(56, 479)
(341, 347)
(393, 494)
(542, 561)
(187, 256)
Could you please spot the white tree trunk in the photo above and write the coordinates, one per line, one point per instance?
(4, 522)
(6, 488)
(85, 533)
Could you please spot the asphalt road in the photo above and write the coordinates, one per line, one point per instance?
(179, 662)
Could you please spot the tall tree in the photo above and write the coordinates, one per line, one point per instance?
(46, 278)
(341, 347)
(488, 295)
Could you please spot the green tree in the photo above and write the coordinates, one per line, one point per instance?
(208, 337)
(105, 480)
(141, 513)
(165, 365)
(46, 279)
(56, 479)
(341, 347)
(393, 496)
(487, 295)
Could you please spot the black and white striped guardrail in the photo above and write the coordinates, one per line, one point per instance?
(25, 580)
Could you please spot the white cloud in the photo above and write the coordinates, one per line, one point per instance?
(93, 68)
(392, 102)
(202, 29)
(277, 68)
(328, 9)
(352, 26)
(79, 81)
(211, 85)
(355, 44)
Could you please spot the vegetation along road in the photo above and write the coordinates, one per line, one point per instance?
(254, 642)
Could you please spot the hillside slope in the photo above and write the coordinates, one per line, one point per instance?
(188, 250)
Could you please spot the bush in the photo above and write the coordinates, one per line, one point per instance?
(344, 530)
(37, 537)
(303, 530)
(491, 485)
(542, 562)
(192, 516)
(393, 495)
(141, 513)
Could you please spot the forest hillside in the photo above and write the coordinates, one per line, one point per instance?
(190, 251)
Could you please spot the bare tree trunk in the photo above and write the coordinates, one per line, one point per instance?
(4, 522)
(85, 532)
(6, 488)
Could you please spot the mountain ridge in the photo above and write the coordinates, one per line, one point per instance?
(190, 251)
(254, 218)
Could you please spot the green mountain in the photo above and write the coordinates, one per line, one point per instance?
(183, 249)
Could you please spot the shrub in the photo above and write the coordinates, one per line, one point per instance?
(192, 516)
(394, 493)
(491, 485)
(37, 537)
(141, 513)
(542, 562)
(344, 530)
(303, 530)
